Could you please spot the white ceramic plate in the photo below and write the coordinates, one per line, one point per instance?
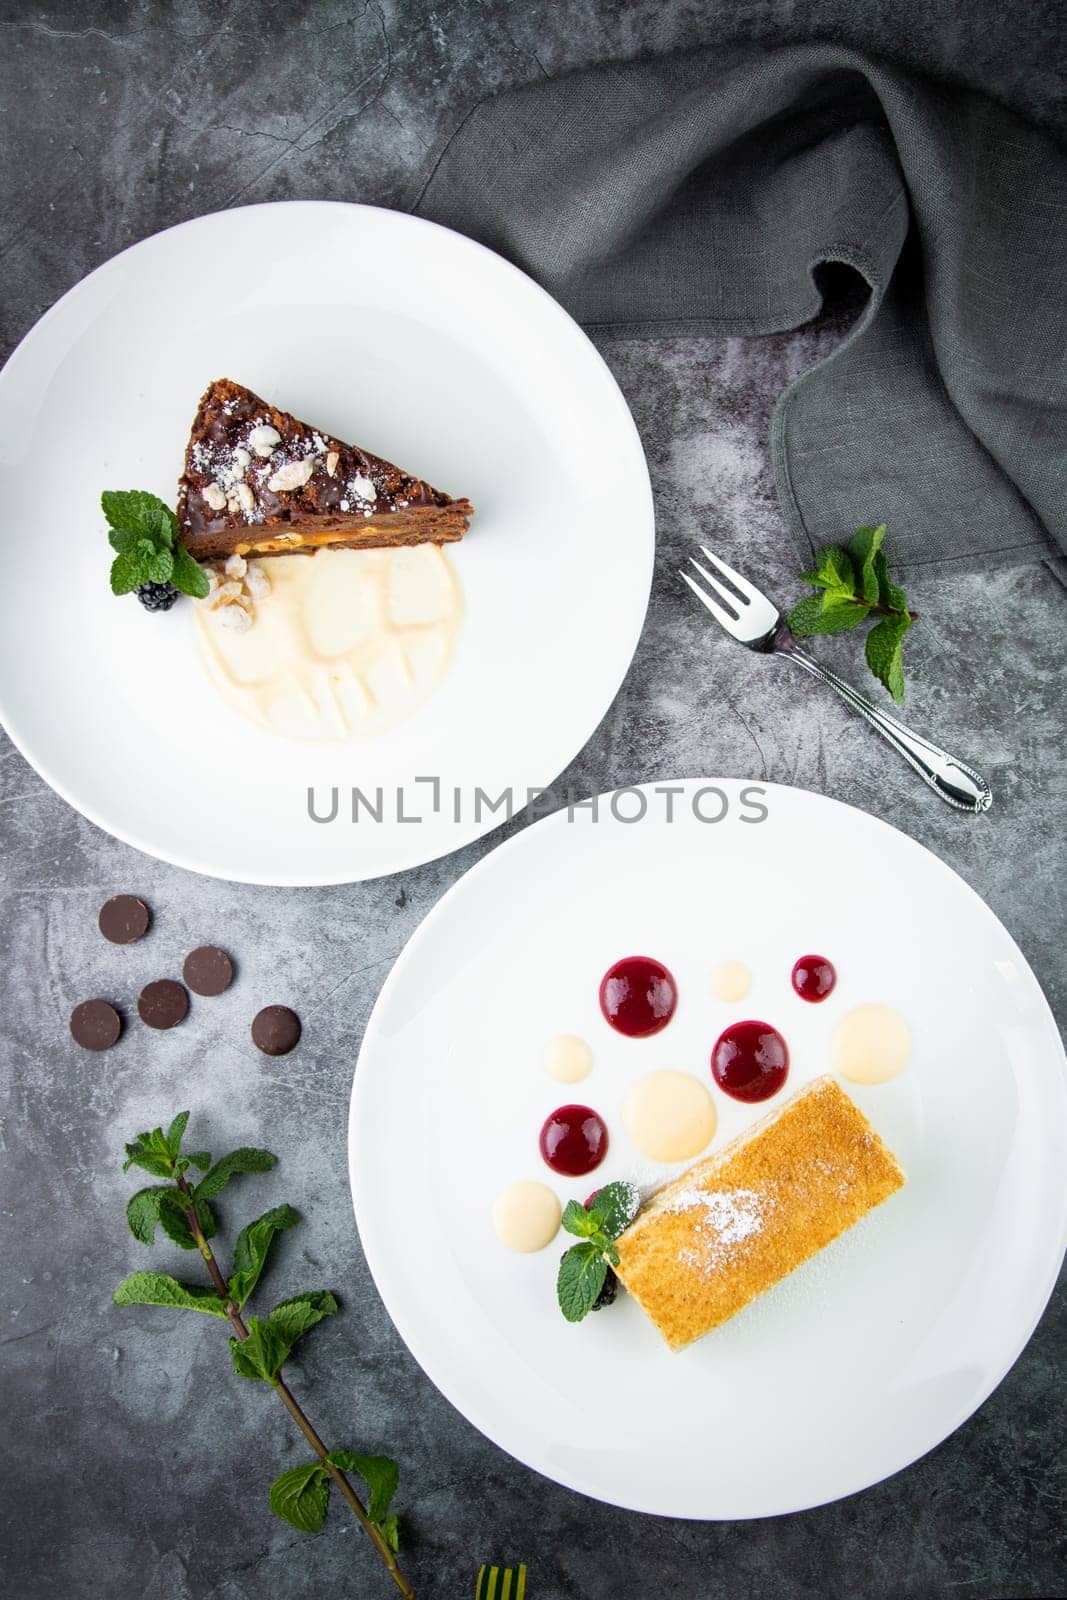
(386, 330)
(867, 1356)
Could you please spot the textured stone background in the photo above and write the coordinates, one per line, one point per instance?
(132, 1462)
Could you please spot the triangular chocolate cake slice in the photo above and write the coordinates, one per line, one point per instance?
(258, 481)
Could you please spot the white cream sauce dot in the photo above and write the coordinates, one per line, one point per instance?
(871, 1044)
(669, 1116)
(730, 981)
(526, 1216)
(568, 1058)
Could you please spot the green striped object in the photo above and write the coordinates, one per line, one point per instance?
(501, 1583)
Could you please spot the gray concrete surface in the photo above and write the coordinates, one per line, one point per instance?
(131, 1463)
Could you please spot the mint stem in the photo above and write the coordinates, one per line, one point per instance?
(876, 605)
(291, 1404)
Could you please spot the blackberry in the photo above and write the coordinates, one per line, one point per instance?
(606, 1297)
(157, 596)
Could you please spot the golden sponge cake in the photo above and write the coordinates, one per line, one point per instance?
(738, 1222)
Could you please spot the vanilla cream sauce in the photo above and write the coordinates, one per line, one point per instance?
(730, 981)
(526, 1216)
(871, 1044)
(568, 1058)
(346, 644)
(669, 1116)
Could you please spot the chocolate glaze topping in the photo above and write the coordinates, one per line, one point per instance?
(254, 473)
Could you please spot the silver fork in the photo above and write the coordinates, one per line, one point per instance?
(753, 620)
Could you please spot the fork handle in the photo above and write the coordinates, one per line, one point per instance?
(957, 783)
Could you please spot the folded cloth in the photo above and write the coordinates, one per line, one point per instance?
(700, 193)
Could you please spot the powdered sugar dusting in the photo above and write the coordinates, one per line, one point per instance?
(730, 1216)
(229, 466)
(632, 1195)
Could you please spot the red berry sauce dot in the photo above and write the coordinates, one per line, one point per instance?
(574, 1140)
(813, 978)
(638, 996)
(750, 1061)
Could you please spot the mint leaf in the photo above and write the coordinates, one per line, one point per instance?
(291, 1319)
(300, 1496)
(125, 575)
(158, 1163)
(165, 1206)
(889, 593)
(389, 1528)
(582, 1272)
(839, 612)
(885, 654)
(134, 509)
(804, 617)
(198, 1158)
(577, 1220)
(380, 1473)
(833, 569)
(251, 1247)
(159, 1289)
(614, 1207)
(122, 540)
(188, 575)
(828, 612)
(176, 1132)
(244, 1160)
(158, 566)
(863, 547)
(260, 1356)
(270, 1341)
(142, 1211)
(160, 525)
(175, 1225)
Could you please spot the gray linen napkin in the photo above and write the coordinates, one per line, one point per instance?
(698, 193)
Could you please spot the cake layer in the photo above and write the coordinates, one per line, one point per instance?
(738, 1222)
(258, 481)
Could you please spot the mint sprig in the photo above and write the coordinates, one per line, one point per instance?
(854, 587)
(584, 1267)
(260, 1346)
(143, 532)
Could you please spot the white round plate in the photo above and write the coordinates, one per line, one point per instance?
(867, 1356)
(400, 336)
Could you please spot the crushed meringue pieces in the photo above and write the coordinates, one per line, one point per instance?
(234, 588)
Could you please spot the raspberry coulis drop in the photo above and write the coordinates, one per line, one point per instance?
(813, 978)
(638, 996)
(574, 1140)
(750, 1061)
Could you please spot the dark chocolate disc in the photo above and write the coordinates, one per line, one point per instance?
(95, 1025)
(276, 1030)
(162, 1004)
(124, 919)
(208, 970)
